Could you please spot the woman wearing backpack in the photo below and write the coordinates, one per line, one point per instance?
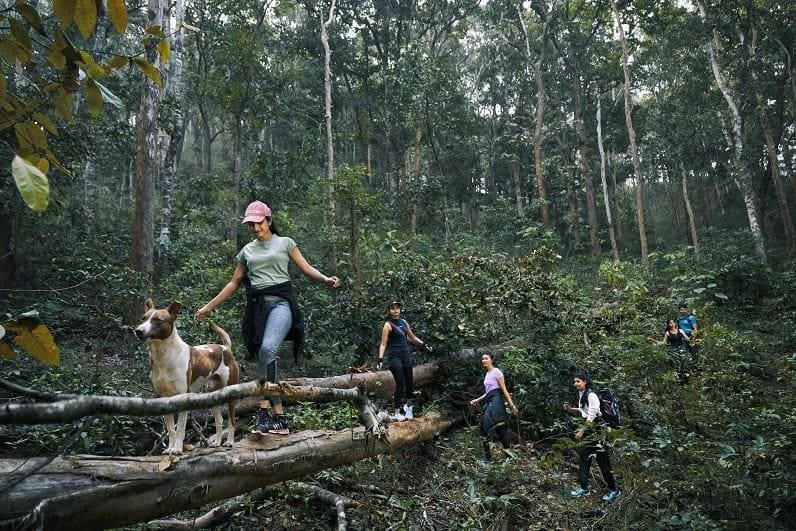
(494, 421)
(588, 408)
(395, 337)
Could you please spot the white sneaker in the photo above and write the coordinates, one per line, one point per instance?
(408, 411)
(397, 417)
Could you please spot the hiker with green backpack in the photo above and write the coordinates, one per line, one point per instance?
(592, 408)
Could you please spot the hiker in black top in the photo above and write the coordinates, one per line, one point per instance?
(395, 337)
(588, 408)
(673, 337)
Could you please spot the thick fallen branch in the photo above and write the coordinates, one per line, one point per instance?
(211, 518)
(91, 492)
(83, 405)
(377, 384)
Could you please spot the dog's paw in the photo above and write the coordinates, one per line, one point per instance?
(214, 441)
(176, 450)
(229, 442)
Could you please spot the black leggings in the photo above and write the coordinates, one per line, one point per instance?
(586, 454)
(400, 364)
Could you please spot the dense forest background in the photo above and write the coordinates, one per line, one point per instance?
(553, 176)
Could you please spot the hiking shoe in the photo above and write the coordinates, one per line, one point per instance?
(408, 412)
(397, 417)
(263, 422)
(279, 426)
(611, 495)
(579, 492)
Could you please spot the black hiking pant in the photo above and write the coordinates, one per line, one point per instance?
(400, 364)
(586, 453)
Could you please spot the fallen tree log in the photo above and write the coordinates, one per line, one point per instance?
(93, 492)
(379, 384)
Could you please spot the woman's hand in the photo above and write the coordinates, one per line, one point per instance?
(579, 433)
(201, 313)
(514, 410)
(474, 401)
(332, 282)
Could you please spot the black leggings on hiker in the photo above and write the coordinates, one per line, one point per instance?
(400, 364)
(586, 454)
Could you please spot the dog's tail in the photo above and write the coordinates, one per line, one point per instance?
(223, 335)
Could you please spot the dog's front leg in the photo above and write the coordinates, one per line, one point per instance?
(182, 419)
(168, 420)
(216, 439)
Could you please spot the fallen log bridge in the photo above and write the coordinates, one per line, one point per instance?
(93, 492)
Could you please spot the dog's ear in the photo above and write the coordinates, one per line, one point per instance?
(148, 305)
(174, 308)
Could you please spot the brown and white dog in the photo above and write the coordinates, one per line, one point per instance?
(177, 367)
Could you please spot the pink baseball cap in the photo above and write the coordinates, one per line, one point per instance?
(256, 212)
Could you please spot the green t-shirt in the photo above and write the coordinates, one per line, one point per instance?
(267, 261)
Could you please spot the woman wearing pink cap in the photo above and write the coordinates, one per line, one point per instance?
(271, 313)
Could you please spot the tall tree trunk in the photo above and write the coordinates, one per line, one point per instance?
(147, 160)
(689, 210)
(572, 198)
(617, 217)
(237, 155)
(515, 170)
(642, 234)
(536, 68)
(177, 135)
(606, 196)
(742, 175)
(585, 171)
(327, 86)
(782, 195)
(416, 173)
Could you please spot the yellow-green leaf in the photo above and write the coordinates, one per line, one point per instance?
(117, 61)
(20, 35)
(57, 59)
(64, 10)
(164, 49)
(43, 164)
(44, 121)
(6, 352)
(3, 88)
(57, 163)
(117, 11)
(149, 70)
(2, 331)
(92, 68)
(155, 30)
(31, 15)
(30, 134)
(93, 98)
(31, 183)
(62, 104)
(85, 16)
(36, 340)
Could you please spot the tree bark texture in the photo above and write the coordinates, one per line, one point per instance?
(690, 211)
(327, 91)
(741, 173)
(92, 492)
(147, 160)
(585, 171)
(536, 69)
(631, 133)
(178, 132)
(606, 196)
(779, 187)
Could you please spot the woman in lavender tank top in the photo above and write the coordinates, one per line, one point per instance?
(495, 420)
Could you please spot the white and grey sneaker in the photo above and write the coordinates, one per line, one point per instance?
(409, 412)
(397, 417)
